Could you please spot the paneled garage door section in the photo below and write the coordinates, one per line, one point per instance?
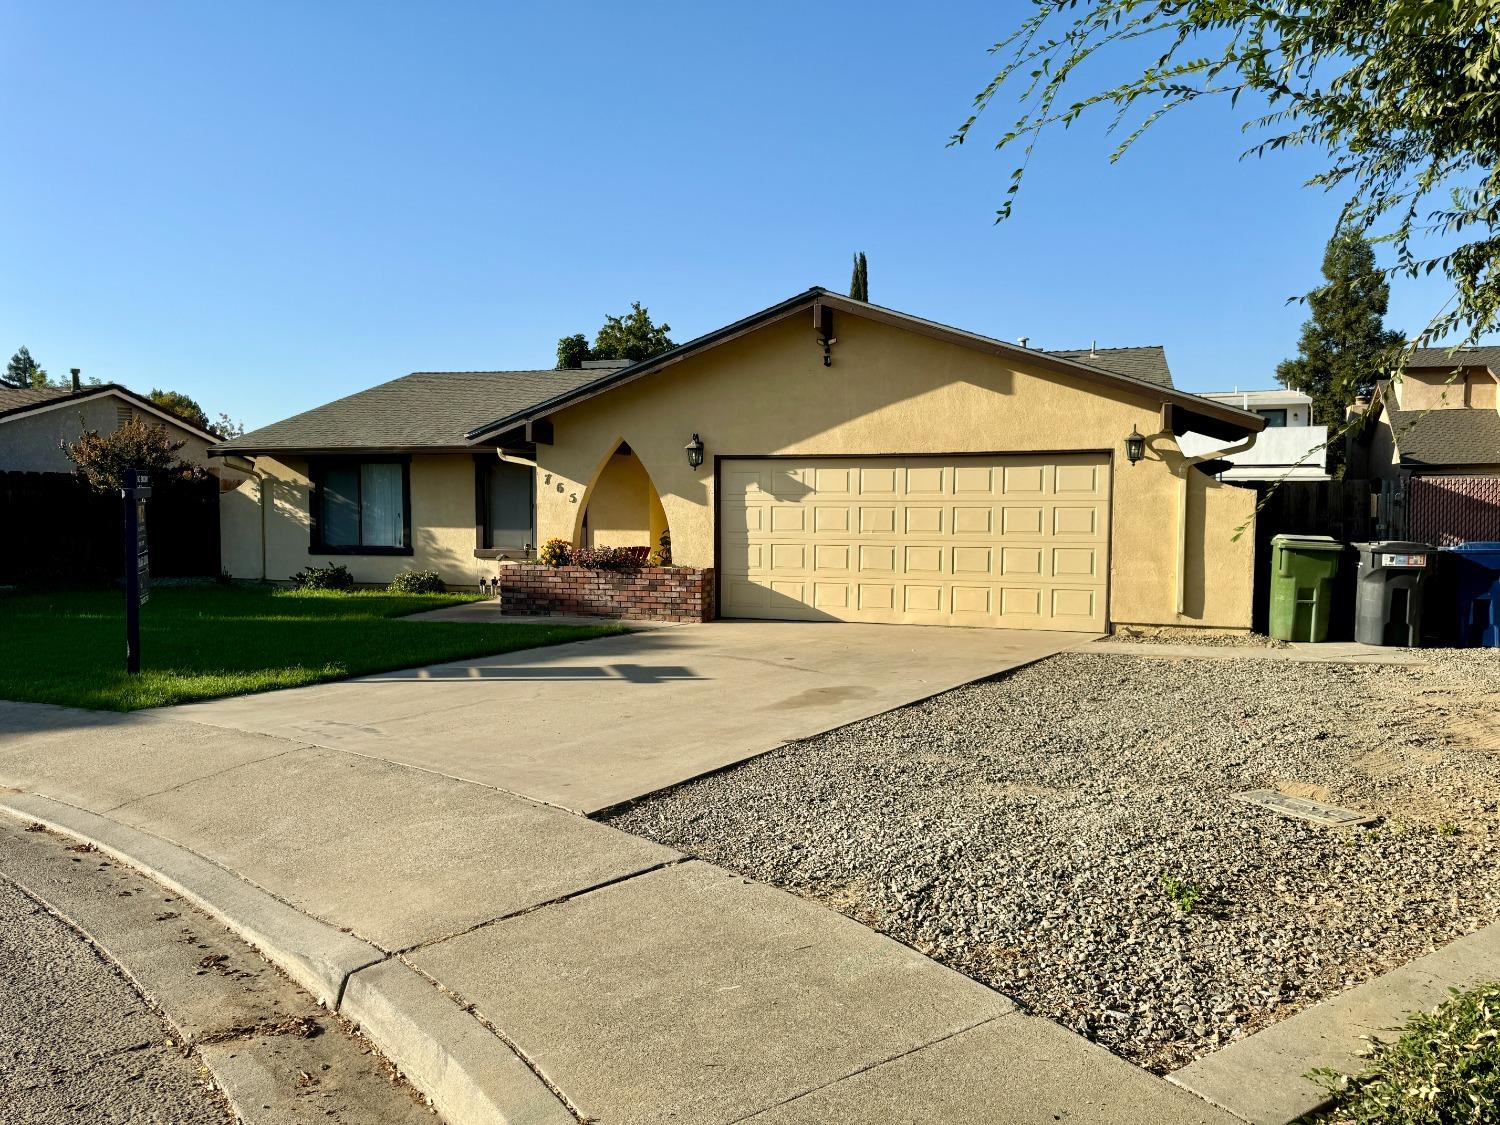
(1005, 541)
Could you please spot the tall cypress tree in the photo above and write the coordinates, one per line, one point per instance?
(1345, 346)
(859, 281)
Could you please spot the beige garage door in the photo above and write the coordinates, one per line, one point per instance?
(1010, 541)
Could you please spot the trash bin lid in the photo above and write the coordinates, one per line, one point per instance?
(1394, 552)
(1396, 546)
(1307, 542)
(1477, 547)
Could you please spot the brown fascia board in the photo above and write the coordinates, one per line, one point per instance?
(337, 451)
(1240, 420)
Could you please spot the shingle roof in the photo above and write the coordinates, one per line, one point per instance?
(18, 398)
(1453, 436)
(1466, 357)
(427, 409)
(1148, 363)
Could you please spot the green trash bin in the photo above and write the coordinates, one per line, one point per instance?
(1302, 573)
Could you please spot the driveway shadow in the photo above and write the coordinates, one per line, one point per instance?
(633, 673)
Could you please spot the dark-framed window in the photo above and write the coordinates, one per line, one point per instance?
(361, 506)
(1274, 418)
(504, 508)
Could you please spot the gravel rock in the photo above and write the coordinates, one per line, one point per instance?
(1165, 635)
(1025, 831)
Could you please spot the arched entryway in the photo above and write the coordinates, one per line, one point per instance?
(624, 509)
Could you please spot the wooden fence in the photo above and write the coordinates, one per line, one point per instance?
(58, 530)
(1342, 509)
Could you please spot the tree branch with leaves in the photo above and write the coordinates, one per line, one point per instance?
(1403, 97)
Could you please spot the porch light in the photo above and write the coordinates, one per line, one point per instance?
(695, 451)
(1135, 446)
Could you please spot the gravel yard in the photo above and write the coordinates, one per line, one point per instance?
(1044, 831)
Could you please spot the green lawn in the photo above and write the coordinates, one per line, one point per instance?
(210, 640)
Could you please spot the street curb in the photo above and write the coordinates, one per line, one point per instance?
(317, 956)
(446, 1052)
(470, 1074)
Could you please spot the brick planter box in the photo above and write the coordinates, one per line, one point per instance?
(652, 593)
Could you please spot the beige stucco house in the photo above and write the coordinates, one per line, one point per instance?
(35, 424)
(852, 463)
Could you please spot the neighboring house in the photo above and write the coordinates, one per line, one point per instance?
(1290, 447)
(35, 424)
(855, 464)
(1432, 440)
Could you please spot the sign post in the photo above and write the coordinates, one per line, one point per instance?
(136, 492)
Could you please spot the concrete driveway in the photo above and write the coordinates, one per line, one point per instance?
(590, 725)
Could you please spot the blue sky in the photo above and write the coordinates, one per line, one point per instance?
(268, 206)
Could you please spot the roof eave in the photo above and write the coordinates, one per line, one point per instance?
(227, 450)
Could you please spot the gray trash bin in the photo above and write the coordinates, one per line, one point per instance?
(1388, 598)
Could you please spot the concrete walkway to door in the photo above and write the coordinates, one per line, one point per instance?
(590, 725)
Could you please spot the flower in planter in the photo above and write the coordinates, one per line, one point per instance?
(555, 552)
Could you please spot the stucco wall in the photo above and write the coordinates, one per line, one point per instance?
(33, 442)
(892, 391)
(619, 505)
(442, 525)
(1435, 389)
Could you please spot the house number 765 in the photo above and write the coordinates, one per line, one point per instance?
(561, 487)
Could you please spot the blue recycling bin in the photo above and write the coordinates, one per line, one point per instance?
(1476, 572)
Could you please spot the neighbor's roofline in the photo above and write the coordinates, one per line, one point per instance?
(1252, 423)
(100, 390)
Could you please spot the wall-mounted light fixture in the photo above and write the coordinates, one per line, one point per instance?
(694, 451)
(1135, 446)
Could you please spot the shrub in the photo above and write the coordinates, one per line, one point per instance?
(417, 582)
(102, 460)
(1445, 1067)
(606, 558)
(330, 576)
(554, 552)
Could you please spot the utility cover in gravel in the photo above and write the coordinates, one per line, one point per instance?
(1067, 834)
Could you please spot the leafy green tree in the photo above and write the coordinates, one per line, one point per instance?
(1345, 346)
(859, 283)
(103, 458)
(23, 371)
(227, 427)
(633, 336)
(573, 350)
(178, 404)
(1401, 96)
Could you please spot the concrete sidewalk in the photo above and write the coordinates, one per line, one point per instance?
(521, 963)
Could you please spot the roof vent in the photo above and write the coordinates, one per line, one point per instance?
(1024, 341)
(605, 364)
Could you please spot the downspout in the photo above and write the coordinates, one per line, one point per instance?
(1181, 473)
(261, 478)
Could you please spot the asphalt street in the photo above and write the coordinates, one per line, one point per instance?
(78, 1044)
